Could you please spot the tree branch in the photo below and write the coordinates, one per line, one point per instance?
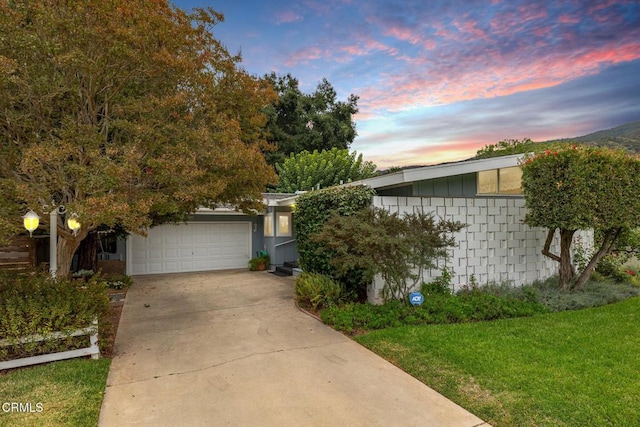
(608, 243)
(547, 245)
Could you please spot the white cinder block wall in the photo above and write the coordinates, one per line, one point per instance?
(496, 246)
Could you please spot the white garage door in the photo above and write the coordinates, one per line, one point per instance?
(191, 247)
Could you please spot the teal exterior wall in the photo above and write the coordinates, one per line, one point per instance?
(281, 249)
(451, 186)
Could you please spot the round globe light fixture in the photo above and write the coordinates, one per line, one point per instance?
(73, 224)
(31, 221)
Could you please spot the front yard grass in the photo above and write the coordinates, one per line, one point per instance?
(572, 368)
(69, 393)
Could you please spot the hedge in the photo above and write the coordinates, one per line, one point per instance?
(33, 303)
(313, 210)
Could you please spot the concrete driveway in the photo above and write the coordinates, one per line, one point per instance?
(231, 349)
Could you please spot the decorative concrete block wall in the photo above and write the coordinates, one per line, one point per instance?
(496, 246)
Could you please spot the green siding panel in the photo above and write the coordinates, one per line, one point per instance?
(449, 186)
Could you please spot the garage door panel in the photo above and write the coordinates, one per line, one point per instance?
(192, 247)
(202, 239)
(170, 253)
(203, 252)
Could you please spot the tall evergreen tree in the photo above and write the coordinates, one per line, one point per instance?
(307, 122)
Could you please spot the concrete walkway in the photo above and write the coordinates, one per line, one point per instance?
(231, 349)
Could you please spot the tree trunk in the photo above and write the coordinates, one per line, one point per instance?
(67, 246)
(88, 253)
(608, 243)
(567, 272)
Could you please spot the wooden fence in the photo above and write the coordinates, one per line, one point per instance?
(20, 253)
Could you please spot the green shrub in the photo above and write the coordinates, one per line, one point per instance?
(396, 247)
(313, 210)
(611, 266)
(595, 293)
(438, 308)
(119, 281)
(440, 285)
(261, 262)
(35, 304)
(317, 291)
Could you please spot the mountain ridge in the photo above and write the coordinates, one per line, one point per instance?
(623, 136)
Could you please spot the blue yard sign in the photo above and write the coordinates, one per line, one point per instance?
(416, 298)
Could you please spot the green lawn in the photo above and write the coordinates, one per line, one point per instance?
(69, 393)
(574, 368)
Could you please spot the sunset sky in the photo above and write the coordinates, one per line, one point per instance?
(439, 79)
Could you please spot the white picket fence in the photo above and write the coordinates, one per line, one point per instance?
(93, 350)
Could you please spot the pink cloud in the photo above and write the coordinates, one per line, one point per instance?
(542, 31)
(511, 21)
(287, 17)
(568, 19)
(367, 47)
(429, 154)
(404, 34)
(305, 55)
(598, 6)
(471, 28)
(429, 44)
(448, 82)
(340, 53)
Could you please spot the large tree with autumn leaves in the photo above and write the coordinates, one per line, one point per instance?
(126, 112)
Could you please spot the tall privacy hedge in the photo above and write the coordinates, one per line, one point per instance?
(313, 210)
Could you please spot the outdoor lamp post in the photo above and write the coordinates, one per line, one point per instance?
(31, 221)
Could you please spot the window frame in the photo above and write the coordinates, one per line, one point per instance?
(289, 231)
(499, 190)
(268, 225)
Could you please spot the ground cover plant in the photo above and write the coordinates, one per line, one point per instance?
(437, 309)
(477, 303)
(595, 293)
(573, 368)
(66, 393)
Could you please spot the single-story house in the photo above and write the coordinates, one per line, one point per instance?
(486, 194)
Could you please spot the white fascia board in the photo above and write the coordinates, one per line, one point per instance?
(287, 202)
(287, 199)
(387, 180)
(217, 211)
(409, 176)
(451, 169)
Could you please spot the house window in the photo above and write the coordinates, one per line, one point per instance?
(510, 181)
(500, 181)
(268, 225)
(488, 182)
(283, 224)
